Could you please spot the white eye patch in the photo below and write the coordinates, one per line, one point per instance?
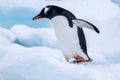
(46, 10)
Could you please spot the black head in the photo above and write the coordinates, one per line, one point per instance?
(49, 12)
(52, 11)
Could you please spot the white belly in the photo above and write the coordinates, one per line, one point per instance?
(67, 37)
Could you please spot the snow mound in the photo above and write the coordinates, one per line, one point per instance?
(18, 59)
(41, 63)
(29, 37)
(6, 36)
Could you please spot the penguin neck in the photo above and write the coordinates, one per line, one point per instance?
(62, 17)
(68, 15)
(60, 21)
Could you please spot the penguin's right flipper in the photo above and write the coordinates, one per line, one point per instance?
(82, 23)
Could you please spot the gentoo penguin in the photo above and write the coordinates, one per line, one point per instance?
(69, 32)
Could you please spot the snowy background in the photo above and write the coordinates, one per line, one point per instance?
(29, 49)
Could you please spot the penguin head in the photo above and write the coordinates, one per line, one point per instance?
(49, 12)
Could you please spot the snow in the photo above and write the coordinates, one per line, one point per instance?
(18, 62)
(34, 37)
(6, 37)
(37, 63)
(33, 54)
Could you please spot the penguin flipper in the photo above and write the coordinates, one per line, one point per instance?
(82, 23)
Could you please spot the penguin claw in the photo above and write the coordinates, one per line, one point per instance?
(89, 60)
(79, 59)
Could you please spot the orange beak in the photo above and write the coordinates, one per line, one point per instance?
(36, 17)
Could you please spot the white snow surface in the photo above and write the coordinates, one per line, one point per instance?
(33, 54)
(34, 37)
(6, 37)
(18, 62)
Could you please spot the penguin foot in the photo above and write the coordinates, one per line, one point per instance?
(82, 61)
(79, 59)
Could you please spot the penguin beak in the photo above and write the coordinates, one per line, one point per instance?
(36, 17)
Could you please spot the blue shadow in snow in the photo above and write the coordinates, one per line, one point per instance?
(117, 2)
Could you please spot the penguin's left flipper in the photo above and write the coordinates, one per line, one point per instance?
(82, 23)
